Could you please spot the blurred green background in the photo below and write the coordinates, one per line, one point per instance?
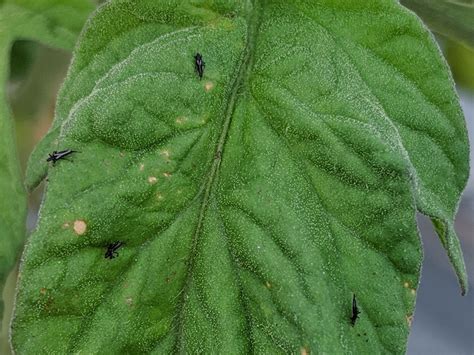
(36, 75)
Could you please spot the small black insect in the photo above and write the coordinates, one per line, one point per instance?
(355, 310)
(112, 250)
(200, 65)
(55, 156)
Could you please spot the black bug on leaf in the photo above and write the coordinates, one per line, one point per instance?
(112, 250)
(55, 156)
(199, 63)
(355, 310)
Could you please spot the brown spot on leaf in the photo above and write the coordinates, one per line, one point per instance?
(304, 351)
(43, 291)
(409, 318)
(80, 227)
(170, 277)
(166, 174)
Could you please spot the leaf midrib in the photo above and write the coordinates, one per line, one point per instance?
(242, 74)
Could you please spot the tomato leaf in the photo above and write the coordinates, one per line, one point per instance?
(254, 203)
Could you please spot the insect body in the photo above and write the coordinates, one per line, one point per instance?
(112, 250)
(55, 156)
(199, 63)
(355, 310)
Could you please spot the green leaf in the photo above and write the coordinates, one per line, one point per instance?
(12, 195)
(55, 23)
(461, 59)
(452, 18)
(253, 203)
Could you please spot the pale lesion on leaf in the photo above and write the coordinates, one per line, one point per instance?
(165, 154)
(181, 120)
(159, 196)
(408, 287)
(209, 86)
(80, 227)
(152, 180)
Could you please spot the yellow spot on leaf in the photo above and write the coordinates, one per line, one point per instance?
(304, 351)
(166, 175)
(209, 86)
(142, 167)
(181, 120)
(406, 285)
(159, 196)
(268, 284)
(152, 180)
(80, 227)
(204, 118)
(129, 301)
(165, 153)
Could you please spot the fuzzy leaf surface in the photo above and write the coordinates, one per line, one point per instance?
(52, 22)
(253, 203)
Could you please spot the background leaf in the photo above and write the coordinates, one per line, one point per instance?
(461, 60)
(452, 18)
(13, 199)
(253, 203)
(55, 23)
